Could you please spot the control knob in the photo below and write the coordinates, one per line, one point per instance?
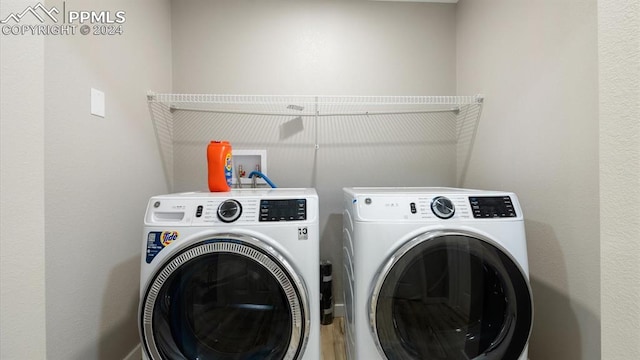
(442, 207)
(229, 211)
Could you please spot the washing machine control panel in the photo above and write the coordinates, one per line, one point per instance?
(283, 210)
(492, 207)
(234, 208)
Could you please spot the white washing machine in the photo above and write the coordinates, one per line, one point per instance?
(435, 273)
(231, 275)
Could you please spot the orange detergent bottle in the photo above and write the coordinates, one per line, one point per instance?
(219, 165)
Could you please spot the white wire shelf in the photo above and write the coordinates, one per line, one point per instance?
(184, 123)
(320, 100)
(313, 106)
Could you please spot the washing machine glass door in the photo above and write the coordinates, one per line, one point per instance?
(225, 298)
(451, 296)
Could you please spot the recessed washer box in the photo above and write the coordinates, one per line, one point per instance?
(249, 160)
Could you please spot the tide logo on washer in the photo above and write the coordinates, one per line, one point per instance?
(167, 237)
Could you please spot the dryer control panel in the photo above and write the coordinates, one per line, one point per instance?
(420, 207)
(492, 206)
(411, 204)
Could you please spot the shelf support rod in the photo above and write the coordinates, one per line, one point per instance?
(316, 114)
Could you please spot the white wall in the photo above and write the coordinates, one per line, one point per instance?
(99, 174)
(536, 62)
(619, 59)
(318, 48)
(22, 251)
(74, 187)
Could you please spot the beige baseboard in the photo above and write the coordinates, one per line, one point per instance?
(135, 354)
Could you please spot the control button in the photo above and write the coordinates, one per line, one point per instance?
(413, 208)
(199, 211)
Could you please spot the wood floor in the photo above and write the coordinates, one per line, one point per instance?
(332, 337)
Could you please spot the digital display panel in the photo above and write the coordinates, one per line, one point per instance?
(283, 210)
(492, 207)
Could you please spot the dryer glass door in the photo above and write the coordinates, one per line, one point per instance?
(224, 299)
(451, 296)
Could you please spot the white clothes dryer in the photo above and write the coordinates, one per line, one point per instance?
(435, 273)
(232, 275)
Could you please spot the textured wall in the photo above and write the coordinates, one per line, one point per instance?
(22, 255)
(619, 58)
(536, 62)
(99, 175)
(317, 47)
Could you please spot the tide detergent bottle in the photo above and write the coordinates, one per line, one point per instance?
(219, 161)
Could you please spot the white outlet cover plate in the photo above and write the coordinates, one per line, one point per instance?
(97, 103)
